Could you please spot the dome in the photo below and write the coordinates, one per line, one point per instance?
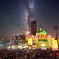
(41, 32)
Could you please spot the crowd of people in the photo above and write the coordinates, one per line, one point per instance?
(27, 54)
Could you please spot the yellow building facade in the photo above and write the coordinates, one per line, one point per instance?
(42, 41)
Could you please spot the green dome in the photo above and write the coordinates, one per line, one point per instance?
(41, 32)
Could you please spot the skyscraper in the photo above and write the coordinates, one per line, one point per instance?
(33, 28)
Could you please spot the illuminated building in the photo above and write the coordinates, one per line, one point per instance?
(18, 39)
(42, 41)
(33, 28)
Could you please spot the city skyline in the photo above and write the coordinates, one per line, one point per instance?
(13, 15)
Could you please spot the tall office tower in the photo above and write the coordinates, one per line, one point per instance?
(33, 28)
(30, 14)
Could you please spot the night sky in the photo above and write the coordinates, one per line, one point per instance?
(12, 16)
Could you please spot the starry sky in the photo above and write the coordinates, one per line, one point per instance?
(12, 16)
